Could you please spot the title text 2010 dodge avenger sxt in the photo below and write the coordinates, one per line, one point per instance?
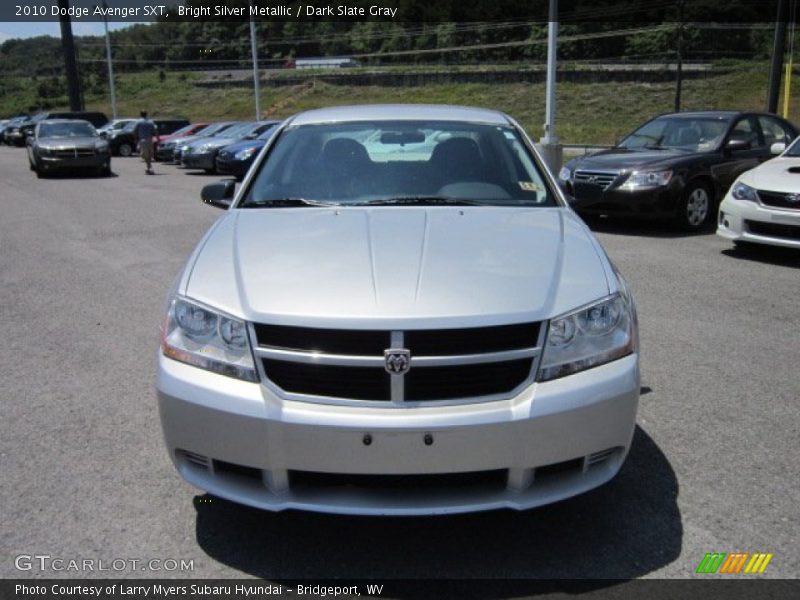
(398, 314)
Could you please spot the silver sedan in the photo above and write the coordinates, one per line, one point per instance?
(398, 314)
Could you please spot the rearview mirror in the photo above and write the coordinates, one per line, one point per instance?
(219, 194)
(777, 148)
(403, 137)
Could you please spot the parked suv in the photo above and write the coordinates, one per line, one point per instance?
(398, 314)
(123, 141)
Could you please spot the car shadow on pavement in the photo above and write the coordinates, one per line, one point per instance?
(773, 255)
(641, 227)
(622, 530)
(78, 175)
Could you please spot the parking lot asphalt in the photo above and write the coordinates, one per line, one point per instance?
(85, 264)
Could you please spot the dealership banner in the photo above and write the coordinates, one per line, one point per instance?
(389, 11)
(463, 589)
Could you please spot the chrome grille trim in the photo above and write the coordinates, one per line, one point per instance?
(602, 179)
(397, 399)
(378, 361)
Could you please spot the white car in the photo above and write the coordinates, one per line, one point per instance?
(763, 204)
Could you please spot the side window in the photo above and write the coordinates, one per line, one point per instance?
(774, 131)
(745, 131)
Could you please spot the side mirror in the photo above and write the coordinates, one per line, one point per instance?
(777, 148)
(737, 145)
(219, 194)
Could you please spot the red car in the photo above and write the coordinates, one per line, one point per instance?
(162, 153)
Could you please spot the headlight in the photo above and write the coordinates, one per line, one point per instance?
(590, 336)
(200, 336)
(45, 151)
(101, 146)
(742, 191)
(647, 179)
(245, 154)
(206, 148)
(565, 174)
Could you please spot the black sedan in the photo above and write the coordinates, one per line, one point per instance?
(677, 166)
(67, 145)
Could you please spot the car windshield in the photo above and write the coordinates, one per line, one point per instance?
(399, 163)
(267, 133)
(182, 130)
(238, 130)
(66, 130)
(690, 134)
(215, 128)
(794, 148)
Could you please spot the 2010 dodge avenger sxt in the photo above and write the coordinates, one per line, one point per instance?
(398, 314)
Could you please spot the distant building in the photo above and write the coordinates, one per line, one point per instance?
(325, 62)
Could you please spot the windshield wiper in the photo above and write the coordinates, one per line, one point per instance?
(419, 201)
(286, 202)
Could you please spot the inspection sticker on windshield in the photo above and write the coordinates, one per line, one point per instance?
(529, 186)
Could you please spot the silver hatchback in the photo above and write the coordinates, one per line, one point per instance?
(398, 314)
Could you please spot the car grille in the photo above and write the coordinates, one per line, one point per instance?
(773, 230)
(472, 364)
(602, 179)
(73, 152)
(779, 199)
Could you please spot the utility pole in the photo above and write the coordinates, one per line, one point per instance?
(254, 51)
(549, 146)
(70, 64)
(110, 67)
(776, 67)
(679, 70)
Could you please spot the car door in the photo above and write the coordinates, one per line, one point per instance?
(735, 160)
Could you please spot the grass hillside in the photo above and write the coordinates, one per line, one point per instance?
(592, 113)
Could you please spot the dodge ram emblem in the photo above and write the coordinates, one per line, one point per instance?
(398, 360)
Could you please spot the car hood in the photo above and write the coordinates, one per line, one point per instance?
(775, 175)
(618, 159)
(385, 267)
(221, 142)
(188, 139)
(76, 142)
(239, 146)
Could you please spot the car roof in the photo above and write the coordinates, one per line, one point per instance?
(704, 113)
(64, 121)
(400, 112)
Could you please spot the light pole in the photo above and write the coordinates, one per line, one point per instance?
(70, 64)
(551, 149)
(254, 52)
(108, 60)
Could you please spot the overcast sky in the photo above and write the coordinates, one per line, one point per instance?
(25, 30)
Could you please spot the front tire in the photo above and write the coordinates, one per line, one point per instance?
(125, 149)
(696, 207)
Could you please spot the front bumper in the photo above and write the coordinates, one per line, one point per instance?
(199, 161)
(165, 154)
(52, 163)
(746, 221)
(656, 203)
(554, 440)
(237, 168)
